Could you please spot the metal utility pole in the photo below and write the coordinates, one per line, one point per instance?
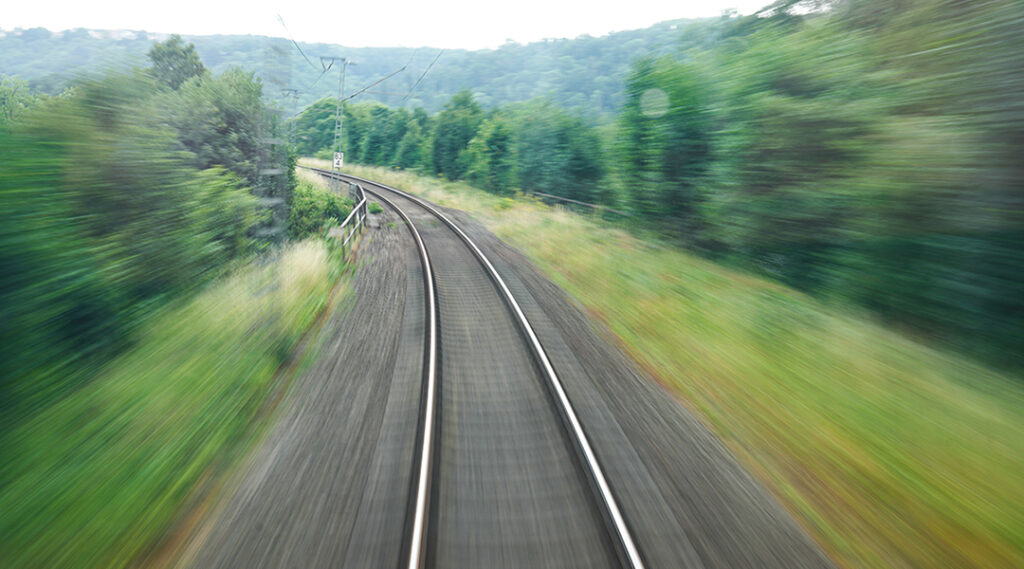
(339, 156)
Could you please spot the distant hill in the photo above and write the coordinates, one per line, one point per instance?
(585, 73)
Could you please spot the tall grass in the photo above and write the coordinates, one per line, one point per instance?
(95, 479)
(892, 454)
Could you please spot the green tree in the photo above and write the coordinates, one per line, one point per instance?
(357, 123)
(219, 120)
(491, 156)
(104, 219)
(314, 127)
(866, 150)
(498, 141)
(411, 151)
(556, 153)
(384, 133)
(174, 62)
(15, 98)
(797, 117)
(456, 125)
(665, 142)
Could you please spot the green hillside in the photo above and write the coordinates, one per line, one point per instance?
(585, 73)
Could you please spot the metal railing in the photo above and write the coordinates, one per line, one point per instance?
(356, 219)
(585, 204)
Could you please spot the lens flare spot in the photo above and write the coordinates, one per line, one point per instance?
(654, 103)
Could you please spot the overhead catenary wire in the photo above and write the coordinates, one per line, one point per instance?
(377, 82)
(412, 57)
(325, 68)
(424, 74)
(387, 93)
(321, 76)
(295, 43)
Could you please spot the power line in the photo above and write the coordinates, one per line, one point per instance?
(417, 84)
(319, 77)
(388, 93)
(377, 82)
(412, 57)
(295, 43)
(327, 62)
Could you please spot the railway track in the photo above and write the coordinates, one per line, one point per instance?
(504, 473)
(437, 431)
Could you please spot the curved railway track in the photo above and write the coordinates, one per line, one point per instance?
(443, 434)
(505, 474)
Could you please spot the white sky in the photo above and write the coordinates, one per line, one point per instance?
(470, 24)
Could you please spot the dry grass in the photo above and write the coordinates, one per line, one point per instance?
(312, 177)
(890, 453)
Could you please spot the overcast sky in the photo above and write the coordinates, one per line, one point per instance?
(470, 24)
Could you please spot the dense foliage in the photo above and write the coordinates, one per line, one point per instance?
(863, 151)
(15, 97)
(871, 153)
(314, 210)
(118, 196)
(174, 62)
(138, 343)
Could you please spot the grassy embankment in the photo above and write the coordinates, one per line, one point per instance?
(99, 477)
(891, 453)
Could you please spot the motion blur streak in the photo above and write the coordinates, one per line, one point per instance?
(137, 348)
(891, 452)
(824, 256)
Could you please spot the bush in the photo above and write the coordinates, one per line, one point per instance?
(312, 210)
(103, 221)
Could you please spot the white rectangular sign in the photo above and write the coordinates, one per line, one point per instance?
(339, 158)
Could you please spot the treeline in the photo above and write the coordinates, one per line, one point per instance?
(863, 151)
(585, 73)
(124, 192)
(535, 145)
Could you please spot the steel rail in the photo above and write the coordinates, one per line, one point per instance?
(628, 550)
(425, 445)
(417, 550)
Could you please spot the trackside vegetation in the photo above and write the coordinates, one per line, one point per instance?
(120, 196)
(891, 453)
(822, 254)
(866, 152)
(150, 314)
(315, 209)
(95, 480)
